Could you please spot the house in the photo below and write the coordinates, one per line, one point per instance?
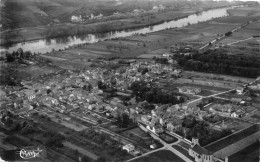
(166, 55)
(155, 129)
(174, 124)
(173, 108)
(2, 94)
(240, 90)
(129, 148)
(153, 146)
(236, 100)
(146, 119)
(255, 87)
(150, 74)
(237, 114)
(199, 153)
(189, 90)
(179, 114)
(100, 108)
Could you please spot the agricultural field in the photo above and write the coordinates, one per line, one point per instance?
(138, 132)
(36, 70)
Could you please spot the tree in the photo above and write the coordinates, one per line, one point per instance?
(145, 70)
(20, 53)
(101, 159)
(99, 121)
(101, 85)
(113, 80)
(27, 54)
(9, 121)
(85, 159)
(229, 33)
(125, 121)
(48, 91)
(9, 58)
(119, 120)
(17, 127)
(189, 121)
(24, 124)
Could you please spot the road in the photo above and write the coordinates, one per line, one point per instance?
(239, 41)
(224, 36)
(166, 146)
(215, 95)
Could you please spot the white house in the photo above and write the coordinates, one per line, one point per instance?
(129, 148)
(156, 129)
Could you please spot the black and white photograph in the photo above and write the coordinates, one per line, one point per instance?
(129, 80)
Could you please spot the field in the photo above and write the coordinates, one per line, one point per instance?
(168, 138)
(36, 70)
(80, 150)
(157, 43)
(160, 156)
(138, 132)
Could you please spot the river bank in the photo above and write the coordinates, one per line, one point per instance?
(68, 29)
(156, 43)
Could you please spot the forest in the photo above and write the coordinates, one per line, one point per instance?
(218, 61)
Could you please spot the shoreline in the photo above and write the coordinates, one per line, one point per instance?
(11, 42)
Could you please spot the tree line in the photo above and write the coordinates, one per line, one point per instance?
(218, 61)
(18, 54)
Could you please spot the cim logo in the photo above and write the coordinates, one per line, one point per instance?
(34, 153)
(30, 153)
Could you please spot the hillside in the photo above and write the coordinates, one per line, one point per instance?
(31, 13)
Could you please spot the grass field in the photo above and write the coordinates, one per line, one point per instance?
(81, 150)
(138, 132)
(160, 156)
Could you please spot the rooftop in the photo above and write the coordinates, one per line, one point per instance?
(200, 150)
(235, 137)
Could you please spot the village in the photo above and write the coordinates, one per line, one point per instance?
(189, 92)
(116, 15)
(115, 98)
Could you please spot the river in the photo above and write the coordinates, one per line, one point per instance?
(47, 45)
